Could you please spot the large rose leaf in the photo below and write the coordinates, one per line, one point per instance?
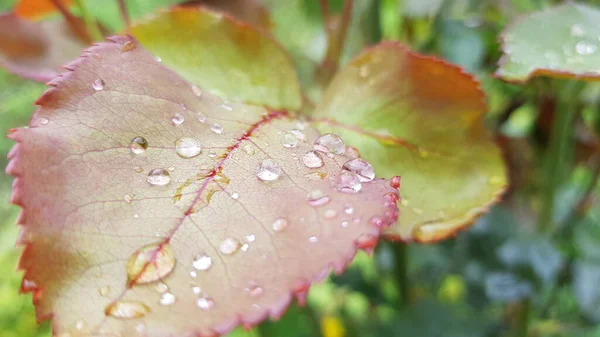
(36, 50)
(421, 117)
(253, 12)
(561, 41)
(152, 208)
(231, 58)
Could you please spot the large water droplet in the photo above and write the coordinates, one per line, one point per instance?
(229, 246)
(167, 299)
(217, 128)
(348, 182)
(312, 159)
(196, 90)
(268, 170)
(585, 48)
(280, 224)
(289, 140)
(330, 143)
(98, 84)
(159, 177)
(138, 145)
(127, 309)
(177, 119)
(202, 262)
(187, 147)
(150, 263)
(317, 198)
(205, 303)
(362, 168)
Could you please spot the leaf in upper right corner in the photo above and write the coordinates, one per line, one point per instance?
(562, 41)
(420, 118)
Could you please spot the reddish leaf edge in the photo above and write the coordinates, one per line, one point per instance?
(536, 72)
(275, 312)
(241, 25)
(463, 74)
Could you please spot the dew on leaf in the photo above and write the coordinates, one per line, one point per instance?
(150, 263)
(104, 291)
(280, 224)
(196, 90)
(312, 159)
(268, 170)
(250, 238)
(289, 140)
(245, 247)
(202, 262)
(128, 198)
(249, 149)
(205, 303)
(161, 288)
(229, 246)
(344, 224)
(313, 239)
(193, 274)
(348, 182)
(44, 120)
(127, 309)
(348, 210)
(217, 128)
(138, 145)
(167, 299)
(317, 198)
(80, 325)
(376, 221)
(361, 168)
(177, 119)
(212, 154)
(201, 117)
(159, 177)
(196, 290)
(98, 84)
(255, 291)
(330, 143)
(235, 195)
(187, 147)
(585, 48)
(298, 134)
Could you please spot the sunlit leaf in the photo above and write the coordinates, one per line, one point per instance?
(232, 59)
(152, 207)
(561, 42)
(253, 12)
(423, 119)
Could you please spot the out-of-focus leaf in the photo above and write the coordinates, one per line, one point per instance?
(585, 285)
(506, 287)
(460, 44)
(33, 9)
(232, 59)
(36, 50)
(253, 12)
(420, 8)
(421, 118)
(148, 204)
(560, 42)
(537, 252)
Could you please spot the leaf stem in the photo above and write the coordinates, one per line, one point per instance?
(522, 324)
(90, 22)
(124, 14)
(390, 17)
(72, 21)
(401, 272)
(336, 37)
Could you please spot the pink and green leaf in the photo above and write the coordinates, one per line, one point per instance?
(205, 244)
(420, 118)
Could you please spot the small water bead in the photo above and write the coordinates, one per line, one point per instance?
(212, 154)
(330, 214)
(196, 290)
(229, 246)
(289, 140)
(298, 134)
(187, 147)
(250, 238)
(202, 262)
(98, 84)
(235, 195)
(313, 239)
(245, 247)
(344, 224)
(167, 299)
(268, 170)
(312, 159)
(330, 143)
(249, 149)
(159, 177)
(158, 58)
(255, 291)
(217, 128)
(128, 198)
(150, 263)
(585, 48)
(205, 303)
(161, 288)
(177, 119)
(141, 328)
(127, 309)
(80, 325)
(193, 274)
(196, 90)
(104, 291)
(348, 210)
(44, 120)
(377, 221)
(201, 117)
(362, 168)
(348, 182)
(138, 169)
(138, 145)
(317, 198)
(280, 224)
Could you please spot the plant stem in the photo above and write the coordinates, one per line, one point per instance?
(401, 272)
(124, 14)
(74, 23)
(390, 16)
(336, 36)
(522, 324)
(90, 22)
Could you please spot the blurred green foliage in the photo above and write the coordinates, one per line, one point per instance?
(488, 280)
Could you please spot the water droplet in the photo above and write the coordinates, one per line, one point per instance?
(577, 30)
(202, 262)
(344, 224)
(362, 168)
(167, 299)
(348, 182)
(150, 263)
(138, 169)
(235, 195)
(250, 238)
(312, 159)
(127, 309)
(128, 198)
(136, 215)
(196, 90)
(196, 290)
(159, 177)
(585, 48)
(289, 140)
(98, 84)
(212, 154)
(104, 291)
(80, 325)
(177, 119)
(187, 147)
(376, 221)
(161, 288)
(330, 143)
(298, 134)
(268, 170)
(229, 246)
(157, 58)
(313, 239)
(245, 247)
(141, 328)
(280, 224)
(217, 128)
(348, 210)
(255, 291)
(44, 120)
(249, 149)
(205, 303)
(317, 198)
(330, 214)
(193, 274)
(138, 145)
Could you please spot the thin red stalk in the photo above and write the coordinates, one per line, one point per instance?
(336, 36)
(74, 23)
(124, 14)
